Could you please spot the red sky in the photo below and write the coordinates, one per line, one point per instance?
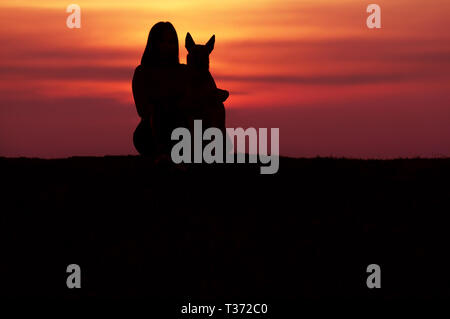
(311, 68)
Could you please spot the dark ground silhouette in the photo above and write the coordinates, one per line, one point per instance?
(225, 231)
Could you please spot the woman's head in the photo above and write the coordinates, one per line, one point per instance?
(162, 46)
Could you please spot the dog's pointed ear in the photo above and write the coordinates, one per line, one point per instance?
(210, 44)
(189, 42)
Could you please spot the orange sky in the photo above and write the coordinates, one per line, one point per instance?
(311, 68)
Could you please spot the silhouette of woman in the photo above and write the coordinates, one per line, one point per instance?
(158, 91)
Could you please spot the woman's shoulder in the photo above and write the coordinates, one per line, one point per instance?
(145, 74)
(138, 72)
(145, 69)
(168, 77)
(155, 69)
(142, 70)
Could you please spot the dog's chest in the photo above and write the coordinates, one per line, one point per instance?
(201, 80)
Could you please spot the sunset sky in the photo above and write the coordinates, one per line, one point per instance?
(310, 67)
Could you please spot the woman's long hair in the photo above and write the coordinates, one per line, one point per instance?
(153, 53)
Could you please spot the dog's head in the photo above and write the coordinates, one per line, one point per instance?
(198, 54)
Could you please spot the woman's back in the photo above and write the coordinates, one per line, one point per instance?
(158, 93)
(157, 86)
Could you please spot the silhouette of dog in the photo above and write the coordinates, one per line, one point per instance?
(205, 99)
